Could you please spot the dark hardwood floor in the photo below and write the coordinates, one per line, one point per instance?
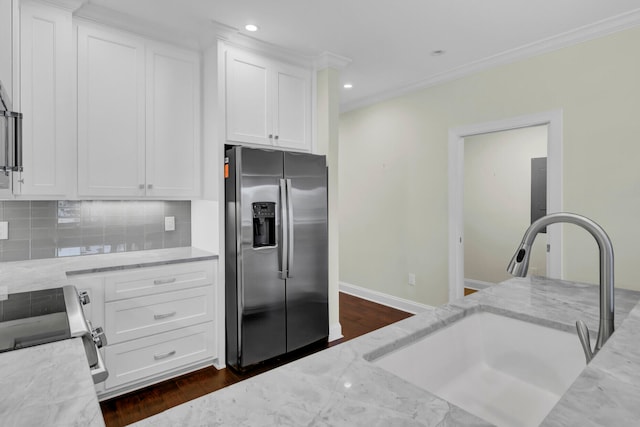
(357, 317)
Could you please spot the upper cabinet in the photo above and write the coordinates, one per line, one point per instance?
(267, 102)
(138, 117)
(6, 44)
(111, 107)
(45, 100)
(173, 122)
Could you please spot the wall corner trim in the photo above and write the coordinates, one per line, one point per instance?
(335, 332)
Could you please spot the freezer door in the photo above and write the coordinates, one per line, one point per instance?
(307, 281)
(261, 291)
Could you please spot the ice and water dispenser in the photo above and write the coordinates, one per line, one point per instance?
(264, 224)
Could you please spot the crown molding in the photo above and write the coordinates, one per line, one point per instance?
(330, 60)
(579, 35)
(234, 37)
(121, 21)
(70, 5)
(224, 31)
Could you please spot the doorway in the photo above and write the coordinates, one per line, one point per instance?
(551, 122)
(499, 170)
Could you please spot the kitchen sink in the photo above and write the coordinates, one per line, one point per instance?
(506, 371)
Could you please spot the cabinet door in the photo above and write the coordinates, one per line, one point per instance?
(292, 121)
(153, 356)
(111, 119)
(46, 99)
(7, 13)
(173, 122)
(6, 45)
(140, 317)
(248, 105)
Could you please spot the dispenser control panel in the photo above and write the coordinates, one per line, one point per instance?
(264, 224)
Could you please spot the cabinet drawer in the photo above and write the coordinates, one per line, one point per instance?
(146, 357)
(154, 280)
(139, 317)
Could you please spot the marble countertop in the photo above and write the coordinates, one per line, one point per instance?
(339, 386)
(21, 276)
(48, 385)
(51, 384)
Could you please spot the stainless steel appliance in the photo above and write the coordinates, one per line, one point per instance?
(10, 135)
(48, 315)
(276, 253)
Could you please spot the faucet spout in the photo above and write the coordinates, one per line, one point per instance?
(520, 263)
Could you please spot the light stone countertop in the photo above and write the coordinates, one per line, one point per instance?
(339, 386)
(50, 384)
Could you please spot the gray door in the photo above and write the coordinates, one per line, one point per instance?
(261, 291)
(538, 188)
(307, 284)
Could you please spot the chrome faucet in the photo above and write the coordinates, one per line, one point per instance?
(520, 263)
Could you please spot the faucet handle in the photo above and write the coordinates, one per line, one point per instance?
(583, 334)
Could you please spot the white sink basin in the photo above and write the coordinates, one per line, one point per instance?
(506, 371)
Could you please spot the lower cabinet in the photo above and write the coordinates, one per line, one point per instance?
(155, 355)
(140, 317)
(159, 322)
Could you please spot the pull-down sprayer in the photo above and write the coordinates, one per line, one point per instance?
(520, 263)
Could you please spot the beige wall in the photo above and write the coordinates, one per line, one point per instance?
(393, 164)
(497, 201)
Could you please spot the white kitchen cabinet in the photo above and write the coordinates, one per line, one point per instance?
(46, 100)
(8, 36)
(159, 322)
(138, 117)
(6, 44)
(267, 102)
(154, 355)
(150, 281)
(173, 122)
(111, 122)
(139, 317)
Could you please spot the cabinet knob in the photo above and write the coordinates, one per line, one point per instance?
(21, 180)
(276, 136)
(84, 297)
(149, 186)
(141, 186)
(270, 136)
(99, 337)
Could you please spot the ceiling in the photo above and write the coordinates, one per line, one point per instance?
(390, 42)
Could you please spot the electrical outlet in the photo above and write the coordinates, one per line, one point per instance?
(169, 223)
(412, 279)
(4, 230)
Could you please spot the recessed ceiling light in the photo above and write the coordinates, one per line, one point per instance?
(347, 86)
(438, 52)
(251, 27)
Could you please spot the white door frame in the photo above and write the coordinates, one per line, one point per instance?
(553, 119)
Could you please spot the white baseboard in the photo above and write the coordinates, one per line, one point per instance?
(384, 299)
(335, 331)
(477, 284)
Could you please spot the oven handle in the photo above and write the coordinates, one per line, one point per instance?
(99, 372)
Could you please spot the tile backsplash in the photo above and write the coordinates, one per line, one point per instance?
(49, 229)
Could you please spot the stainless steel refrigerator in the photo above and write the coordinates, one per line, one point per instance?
(275, 253)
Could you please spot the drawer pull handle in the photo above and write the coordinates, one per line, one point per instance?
(164, 316)
(164, 281)
(164, 355)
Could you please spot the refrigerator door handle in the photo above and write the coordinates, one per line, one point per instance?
(284, 226)
(290, 226)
